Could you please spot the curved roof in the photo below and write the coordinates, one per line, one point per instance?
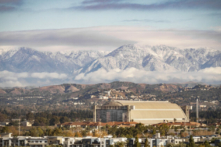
(112, 103)
(150, 104)
(150, 112)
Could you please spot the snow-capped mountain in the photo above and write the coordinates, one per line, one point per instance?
(156, 58)
(29, 60)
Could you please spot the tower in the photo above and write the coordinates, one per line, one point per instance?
(197, 110)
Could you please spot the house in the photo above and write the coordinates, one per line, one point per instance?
(55, 140)
(37, 141)
(5, 139)
(26, 123)
(217, 142)
(5, 123)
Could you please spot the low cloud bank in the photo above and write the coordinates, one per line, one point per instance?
(11, 79)
(208, 75)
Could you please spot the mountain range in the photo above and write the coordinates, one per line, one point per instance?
(156, 58)
(146, 58)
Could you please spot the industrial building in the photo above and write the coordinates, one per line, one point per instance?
(146, 112)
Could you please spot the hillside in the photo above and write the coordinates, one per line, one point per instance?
(87, 94)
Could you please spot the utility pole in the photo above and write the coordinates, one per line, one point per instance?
(19, 121)
(197, 110)
(19, 126)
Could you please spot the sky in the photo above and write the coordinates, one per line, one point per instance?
(19, 15)
(59, 25)
(97, 24)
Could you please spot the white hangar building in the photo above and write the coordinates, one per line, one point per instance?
(146, 112)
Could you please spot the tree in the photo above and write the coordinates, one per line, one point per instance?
(120, 144)
(48, 132)
(191, 142)
(146, 143)
(217, 131)
(83, 133)
(55, 120)
(5, 130)
(206, 143)
(57, 132)
(33, 132)
(40, 121)
(30, 116)
(169, 145)
(64, 119)
(136, 143)
(181, 144)
(154, 131)
(40, 131)
(2, 117)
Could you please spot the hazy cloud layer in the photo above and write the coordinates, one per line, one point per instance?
(11, 79)
(177, 4)
(210, 76)
(11, 75)
(109, 38)
(89, 37)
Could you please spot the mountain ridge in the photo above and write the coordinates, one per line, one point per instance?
(155, 64)
(156, 58)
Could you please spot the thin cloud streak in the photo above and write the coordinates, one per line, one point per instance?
(180, 4)
(147, 20)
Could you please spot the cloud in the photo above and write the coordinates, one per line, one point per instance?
(147, 20)
(45, 75)
(13, 2)
(11, 79)
(217, 28)
(210, 76)
(109, 38)
(215, 70)
(42, 75)
(178, 4)
(88, 37)
(12, 84)
(6, 8)
(7, 75)
(99, 1)
(10, 5)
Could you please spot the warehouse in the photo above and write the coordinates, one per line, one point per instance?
(146, 112)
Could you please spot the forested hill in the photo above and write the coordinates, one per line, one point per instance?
(82, 95)
(81, 89)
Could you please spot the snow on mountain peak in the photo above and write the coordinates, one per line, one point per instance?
(155, 58)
